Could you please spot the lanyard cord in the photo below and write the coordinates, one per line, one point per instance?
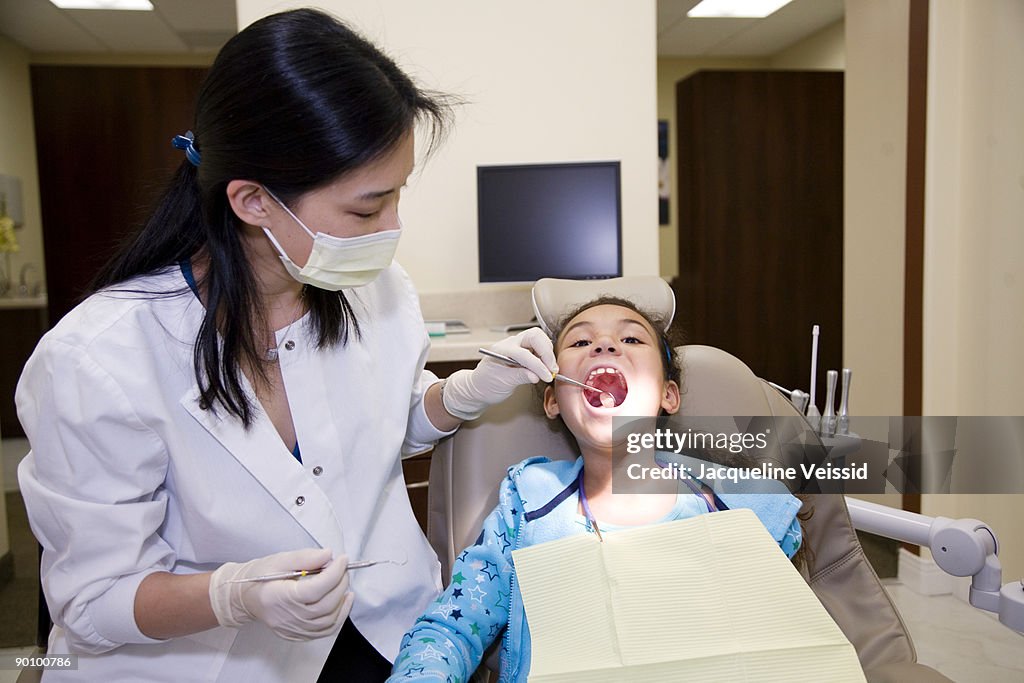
(700, 494)
(586, 508)
(583, 498)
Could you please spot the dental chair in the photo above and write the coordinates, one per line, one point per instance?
(467, 468)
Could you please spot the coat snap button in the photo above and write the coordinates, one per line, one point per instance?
(301, 500)
(318, 470)
(289, 345)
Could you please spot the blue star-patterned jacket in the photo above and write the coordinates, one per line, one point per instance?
(537, 503)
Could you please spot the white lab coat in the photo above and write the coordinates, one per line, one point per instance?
(128, 476)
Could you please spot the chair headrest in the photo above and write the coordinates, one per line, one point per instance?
(553, 298)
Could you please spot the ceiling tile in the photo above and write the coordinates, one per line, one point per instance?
(38, 26)
(789, 25)
(129, 31)
(204, 25)
(695, 37)
(175, 26)
(671, 11)
(198, 15)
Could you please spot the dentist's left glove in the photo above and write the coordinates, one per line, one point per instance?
(468, 393)
(295, 609)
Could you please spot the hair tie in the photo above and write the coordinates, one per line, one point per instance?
(186, 142)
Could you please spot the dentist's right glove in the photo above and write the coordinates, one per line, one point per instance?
(467, 394)
(295, 609)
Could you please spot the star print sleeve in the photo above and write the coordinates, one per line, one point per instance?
(448, 641)
(792, 539)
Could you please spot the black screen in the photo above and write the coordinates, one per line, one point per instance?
(549, 220)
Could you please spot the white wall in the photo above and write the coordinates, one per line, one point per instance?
(974, 265)
(18, 150)
(570, 80)
(874, 204)
(825, 49)
(974, 235)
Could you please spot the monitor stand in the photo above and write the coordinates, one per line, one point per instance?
(451, 326)
(514, 327)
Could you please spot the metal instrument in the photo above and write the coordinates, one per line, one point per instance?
(559, 376)
(299, 573)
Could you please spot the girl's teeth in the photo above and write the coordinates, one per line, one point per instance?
(601, 371)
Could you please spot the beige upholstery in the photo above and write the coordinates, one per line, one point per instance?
(464, 488)
(467, 468)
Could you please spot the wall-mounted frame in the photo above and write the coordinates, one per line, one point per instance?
(10, 191)
(663, 174)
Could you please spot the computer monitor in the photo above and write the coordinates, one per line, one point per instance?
(549, 220)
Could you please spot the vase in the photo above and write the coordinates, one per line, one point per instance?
(6, 275)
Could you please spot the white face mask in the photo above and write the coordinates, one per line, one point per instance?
(339, 262)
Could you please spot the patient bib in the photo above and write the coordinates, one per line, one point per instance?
(706, 598)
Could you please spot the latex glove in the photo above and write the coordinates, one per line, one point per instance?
(467, 393)
(295, 609)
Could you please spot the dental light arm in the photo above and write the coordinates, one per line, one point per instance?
(961, 547)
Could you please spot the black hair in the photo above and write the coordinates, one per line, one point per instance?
(294, 101)
(668, 339)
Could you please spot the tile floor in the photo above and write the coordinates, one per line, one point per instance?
(7, 675)
(13, 451)
(963, 643)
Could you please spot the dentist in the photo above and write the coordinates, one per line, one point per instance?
(234, 399)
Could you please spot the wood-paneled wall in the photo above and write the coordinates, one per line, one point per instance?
(760, 176)
(103, 140)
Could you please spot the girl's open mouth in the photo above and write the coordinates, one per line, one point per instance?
(606, 379)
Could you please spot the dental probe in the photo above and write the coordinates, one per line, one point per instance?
(559, 376)
(812, 406)
(299, 573)
(814, 366)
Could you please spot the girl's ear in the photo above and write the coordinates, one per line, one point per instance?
(550, 403)
(248, 200)
(671, 399)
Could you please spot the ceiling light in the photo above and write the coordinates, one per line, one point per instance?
(104, 4)
(736, 8)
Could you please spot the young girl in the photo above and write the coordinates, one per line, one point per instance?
(614, 347)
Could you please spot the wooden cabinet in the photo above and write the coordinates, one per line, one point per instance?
(22, 324)
(760, 180)
(103, 144)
